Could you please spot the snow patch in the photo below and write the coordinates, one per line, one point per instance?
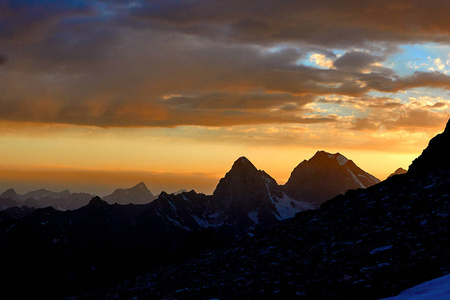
(340, 158)
(436, 289)
(253, 215)
(201, 222)
(288, 207)
(356, 179)
(380, 249)
(178, 223)
(173, 206)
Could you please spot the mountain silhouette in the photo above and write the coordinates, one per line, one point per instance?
(138, 194)
(399, 171)
(325, 176)
(435, 156)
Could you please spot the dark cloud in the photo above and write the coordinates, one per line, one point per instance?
(383, 83)
(170, 63)
(322, 22)
(356, 61)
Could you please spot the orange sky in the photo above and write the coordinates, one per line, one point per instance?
(98, 95)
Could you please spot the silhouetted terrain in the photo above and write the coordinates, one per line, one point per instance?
(138, 194)
(100, 243)
(366, 244)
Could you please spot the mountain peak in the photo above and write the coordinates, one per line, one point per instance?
(435, 156)
(242, 164)
(325, 176)
(243, 161)
(399, 171)
(323, 155)
(140, 185)
(9, 193)
(138, 194)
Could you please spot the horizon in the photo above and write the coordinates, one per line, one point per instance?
(112, 179)
(99, 95)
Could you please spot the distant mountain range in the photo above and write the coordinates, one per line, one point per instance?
(111, 238)
(313, 181)
(65, 200)
(367, 244)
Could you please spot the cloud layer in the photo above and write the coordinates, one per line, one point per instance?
(220, 63)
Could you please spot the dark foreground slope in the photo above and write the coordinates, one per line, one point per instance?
(367, 244)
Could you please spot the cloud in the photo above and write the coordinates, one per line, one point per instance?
(325, 23)
(356, 61)
(116, 64)
(321, 60)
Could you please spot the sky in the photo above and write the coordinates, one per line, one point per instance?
(96, 95)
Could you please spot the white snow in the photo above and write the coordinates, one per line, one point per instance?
(173, 206)
(253, 215)
(201, 222)
(205, 223)
(356, 179)
(340, 158)
(380, 249)
(178, 223)
(285, 208)
(436, 289)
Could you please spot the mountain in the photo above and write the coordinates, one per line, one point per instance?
(10, 193)
(7, 203)
(138, 194)
(18, 212)
(64, 200)
(180, 191)
(43, 193)
(245, 199)
(250, 196)
(325, 176)
(367, 244)
(175, 193)
(435, 156)
(399, 171)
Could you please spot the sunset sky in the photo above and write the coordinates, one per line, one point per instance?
(96, 95)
